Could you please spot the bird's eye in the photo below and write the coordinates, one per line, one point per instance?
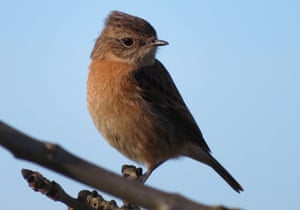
(127, 41)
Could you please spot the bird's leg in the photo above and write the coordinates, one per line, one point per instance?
(133, 173)
(146, 175)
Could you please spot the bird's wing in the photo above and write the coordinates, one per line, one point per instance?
(160, 92)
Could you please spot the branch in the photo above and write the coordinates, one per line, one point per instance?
(54, 157)
(86, 200)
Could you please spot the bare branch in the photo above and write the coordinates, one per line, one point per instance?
(56, 158)
(86, 200)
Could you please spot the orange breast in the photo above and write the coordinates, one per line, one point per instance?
(123, 117)
(117, 109)
(111, 92)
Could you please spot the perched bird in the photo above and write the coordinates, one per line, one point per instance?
(134, 102)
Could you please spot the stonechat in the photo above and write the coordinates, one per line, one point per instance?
(134, 102)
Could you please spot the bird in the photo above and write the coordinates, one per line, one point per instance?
(135, 104)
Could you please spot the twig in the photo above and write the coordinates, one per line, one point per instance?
(86, 200)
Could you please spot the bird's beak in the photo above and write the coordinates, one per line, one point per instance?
(158, 43)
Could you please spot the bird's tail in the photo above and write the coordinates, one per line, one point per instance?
(225, 175)
(205, 157)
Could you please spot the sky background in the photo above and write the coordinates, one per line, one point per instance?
(236, 64)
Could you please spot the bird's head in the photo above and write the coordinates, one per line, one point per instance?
(127, 39)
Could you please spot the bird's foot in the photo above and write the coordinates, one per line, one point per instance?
(133, 173)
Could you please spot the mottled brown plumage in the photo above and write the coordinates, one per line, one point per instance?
(134, 102)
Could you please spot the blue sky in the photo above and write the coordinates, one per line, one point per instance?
(236, 64)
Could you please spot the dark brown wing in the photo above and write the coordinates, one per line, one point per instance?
(159, 90)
